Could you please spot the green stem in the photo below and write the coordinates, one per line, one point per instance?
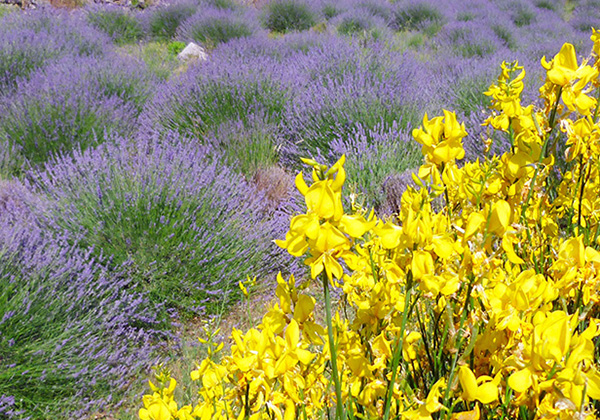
(340, 415)
(542, 155)
(584, 179)
(459, 344)
(398, 350)
(247, 403)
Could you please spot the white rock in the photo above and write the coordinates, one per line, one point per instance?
(193, 51)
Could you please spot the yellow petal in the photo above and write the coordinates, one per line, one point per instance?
(500, 217)
(507, 246)
(356, 225)
(443, 246)
(521, 380)
(292, 335)
(422, 264)
(321, 199)
(389, 234)
(290, 410)
(304, 308)
(474, 414)
(301, 184)
(487, 393)
(474, 222)
(468, 383)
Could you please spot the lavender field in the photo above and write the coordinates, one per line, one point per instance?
(138, 189)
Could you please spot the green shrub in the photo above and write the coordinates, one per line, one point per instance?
(288, 15)
(415, 16)
(547, 4)
(164, 22)
(212, 27)
(523, 16)
(330, 11)
(467, 94)
(118, 24)
(175, 47)
(465, 16)
(6, 9)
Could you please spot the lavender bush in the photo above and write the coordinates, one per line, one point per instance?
(224, 89)
(356, 21)
(347, 87)
(73, 103)
(415, 15)
(119, 24)
(288, 15)
(249, 145)
(212, 26)
(182, 226)
(31, 40)
(73, 333)
(162, 22)
(374, 155)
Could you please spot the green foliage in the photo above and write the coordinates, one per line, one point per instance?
(6, 9)
(468, 46)
(366, 181)
(414, 16)
(523, 16)
(211, 32)
(288, 15)
(465, 16)
(416, 40)
(351, 25)
(217, 102)
(467, 94)
(164, 22)
(159, 58)
(222, 4)
(330, 11)
(175, 47)
(119, 25)
(71, 125)
(547, 4)
(247, 146)
(506, 36)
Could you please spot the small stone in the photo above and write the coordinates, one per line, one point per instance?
(193, 51)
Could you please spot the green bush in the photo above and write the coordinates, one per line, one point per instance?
(118, 24)
(164, 22)
(415, 16)
(288, 15)
(212, 27)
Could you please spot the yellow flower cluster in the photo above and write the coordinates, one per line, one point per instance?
(485, 308)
